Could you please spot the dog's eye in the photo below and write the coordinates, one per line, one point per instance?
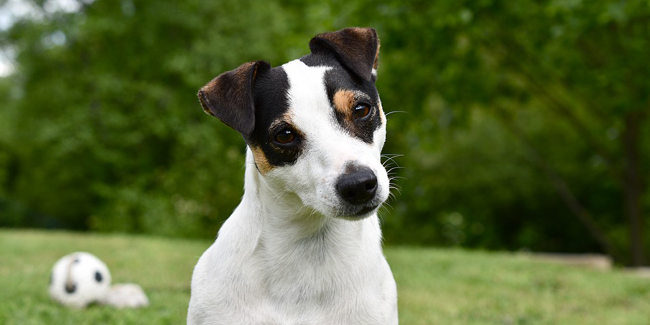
(284, 136)
(361, 110)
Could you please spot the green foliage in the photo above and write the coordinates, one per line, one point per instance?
(563, 76)
(109, 127)
(100, 127)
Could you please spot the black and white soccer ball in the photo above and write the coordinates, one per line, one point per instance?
(79, 279)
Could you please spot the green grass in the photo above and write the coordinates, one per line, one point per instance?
(435, 286)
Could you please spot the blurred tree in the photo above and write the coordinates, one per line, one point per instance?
(106, 130)
(583, 62)
(525, 124)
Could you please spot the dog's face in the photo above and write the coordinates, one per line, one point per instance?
(315, 125)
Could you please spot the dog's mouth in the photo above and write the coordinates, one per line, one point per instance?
(357, 213)
(365, 210)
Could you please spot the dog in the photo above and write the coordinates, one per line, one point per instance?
(304, 245)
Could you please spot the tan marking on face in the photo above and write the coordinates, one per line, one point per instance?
(261, 162)
(343, 101)
(381, 113)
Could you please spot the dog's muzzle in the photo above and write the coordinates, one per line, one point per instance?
(358, 187)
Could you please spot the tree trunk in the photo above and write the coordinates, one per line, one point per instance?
(633, 186)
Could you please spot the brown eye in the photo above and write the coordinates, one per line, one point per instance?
(360, 111)
(284, 136)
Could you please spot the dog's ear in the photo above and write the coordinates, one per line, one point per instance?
(356, 48)
(229, 96)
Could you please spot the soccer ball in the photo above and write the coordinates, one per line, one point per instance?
(79, 279)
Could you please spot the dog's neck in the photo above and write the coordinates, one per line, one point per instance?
(296, 240)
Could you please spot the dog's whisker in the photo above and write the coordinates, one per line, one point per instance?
(311, 214)
(397, 189)
(280, 195)
(391, 155)
(394, 169)
(300, 209)
(391, 164)
(393, 112)
(394, 178)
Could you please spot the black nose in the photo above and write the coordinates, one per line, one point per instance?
(358, 186)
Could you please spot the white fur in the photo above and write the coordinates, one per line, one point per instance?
(283, 256)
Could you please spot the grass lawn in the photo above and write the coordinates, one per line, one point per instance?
(435, 286)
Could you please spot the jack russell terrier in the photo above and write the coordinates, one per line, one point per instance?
(304, 245)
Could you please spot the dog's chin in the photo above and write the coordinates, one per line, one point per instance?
(357, 212)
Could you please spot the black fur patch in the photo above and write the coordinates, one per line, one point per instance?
(98, 277)
(271, 105)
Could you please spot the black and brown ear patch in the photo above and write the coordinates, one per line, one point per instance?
(356, 48)
(229, 96)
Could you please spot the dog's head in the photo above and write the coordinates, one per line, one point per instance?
(315, 125)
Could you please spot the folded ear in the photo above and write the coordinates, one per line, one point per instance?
(229, 96)
(356, 48)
